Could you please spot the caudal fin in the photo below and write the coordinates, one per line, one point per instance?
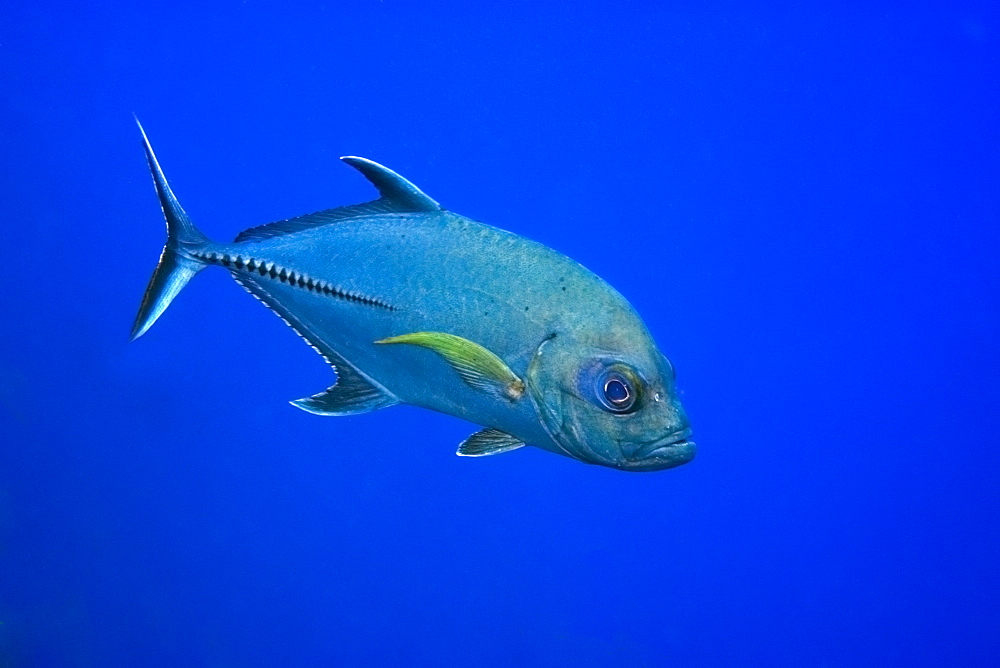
(177, 265)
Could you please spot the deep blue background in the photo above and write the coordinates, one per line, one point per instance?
(803, 204)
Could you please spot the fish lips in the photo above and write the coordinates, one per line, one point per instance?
(673, 450)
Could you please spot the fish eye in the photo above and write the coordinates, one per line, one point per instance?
(619, 390)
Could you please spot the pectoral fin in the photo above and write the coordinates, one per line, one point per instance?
(476, 365)
(488, 442)
(350, 395)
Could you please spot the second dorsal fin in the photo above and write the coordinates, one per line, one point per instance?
(397, 196)
(394, 189)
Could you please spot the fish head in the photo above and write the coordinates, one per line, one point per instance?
(612, 407)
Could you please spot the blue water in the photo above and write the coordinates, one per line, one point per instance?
(803, 204)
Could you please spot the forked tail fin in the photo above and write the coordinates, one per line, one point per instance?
(176, 265)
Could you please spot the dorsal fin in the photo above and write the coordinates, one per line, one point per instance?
(397, 196)
(393, 187)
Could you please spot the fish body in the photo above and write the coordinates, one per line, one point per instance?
(415, 304)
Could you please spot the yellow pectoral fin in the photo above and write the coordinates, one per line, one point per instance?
(476, 365)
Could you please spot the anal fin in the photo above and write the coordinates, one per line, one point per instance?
(350, 395)
(488, 442)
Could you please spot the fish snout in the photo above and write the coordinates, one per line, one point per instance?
(672, 450)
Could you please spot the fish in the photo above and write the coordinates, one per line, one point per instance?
(413, 304)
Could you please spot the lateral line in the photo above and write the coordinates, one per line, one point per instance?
(289, 277)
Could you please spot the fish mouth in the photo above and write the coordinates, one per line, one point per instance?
(672, 450)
